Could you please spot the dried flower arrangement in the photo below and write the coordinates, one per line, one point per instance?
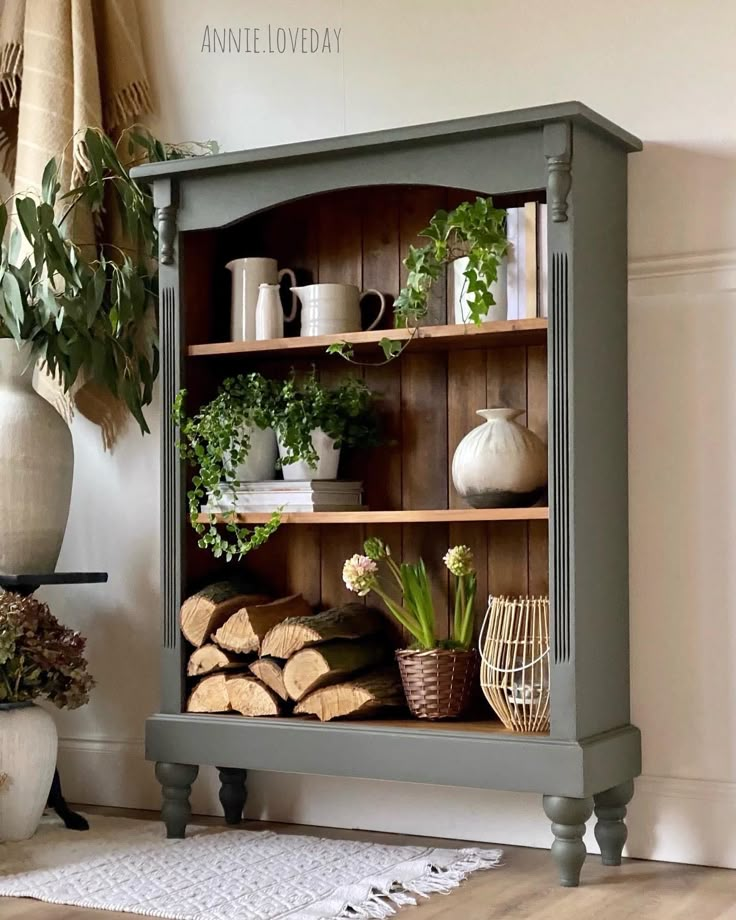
(39, 657)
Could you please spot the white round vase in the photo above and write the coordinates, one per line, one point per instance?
(327, 463)
(500, 464)
(37, 464)
(260, 461)
(28, 744)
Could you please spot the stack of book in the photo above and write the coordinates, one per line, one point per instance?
(526, 229)
(289, 495)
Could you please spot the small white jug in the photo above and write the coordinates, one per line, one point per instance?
(248, 275)
(329, 309)
(269, 313)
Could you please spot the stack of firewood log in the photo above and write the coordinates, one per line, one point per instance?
(262, 657)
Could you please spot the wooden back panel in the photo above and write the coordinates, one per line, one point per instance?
(428, 400)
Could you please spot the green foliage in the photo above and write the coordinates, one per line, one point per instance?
(344, 412)
(214, 442)
(217, 438)
(39, 657)
(415, 610)
(473, 229)
(88, 308)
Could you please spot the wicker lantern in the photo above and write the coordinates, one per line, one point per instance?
(514, 675)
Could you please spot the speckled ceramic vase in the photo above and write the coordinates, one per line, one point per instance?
(37, 464)
(500, 464)
(28, 744)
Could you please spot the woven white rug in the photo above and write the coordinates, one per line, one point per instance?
(127, 865)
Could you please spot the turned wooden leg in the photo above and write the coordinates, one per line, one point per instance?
(610, 830)
(568, 817)
(176, 784)
(233, 793)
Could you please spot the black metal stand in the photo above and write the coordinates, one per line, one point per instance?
(26, 585)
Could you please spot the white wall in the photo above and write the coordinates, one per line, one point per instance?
(663, 70)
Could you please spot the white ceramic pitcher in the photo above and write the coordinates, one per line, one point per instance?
(248, 275)
(331, 308)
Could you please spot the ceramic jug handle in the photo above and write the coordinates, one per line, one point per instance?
(294, 299)
(380, 296)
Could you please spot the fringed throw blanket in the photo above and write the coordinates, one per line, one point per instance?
(66, 65)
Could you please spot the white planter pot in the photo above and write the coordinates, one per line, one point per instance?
(28, 746)
(327, 464)
(260, 463)
(500, 464)
(460, 299)
(37, 464)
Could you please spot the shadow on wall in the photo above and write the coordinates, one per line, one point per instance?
(681, 200)
(682, 450)
(114, 527)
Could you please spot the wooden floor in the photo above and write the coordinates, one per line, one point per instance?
(524, 889)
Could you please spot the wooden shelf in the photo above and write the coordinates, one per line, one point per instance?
(487, 335)
(443, 515)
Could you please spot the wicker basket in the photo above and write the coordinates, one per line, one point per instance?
(438, 683)
(514, 671)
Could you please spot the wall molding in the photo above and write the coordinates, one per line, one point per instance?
(684, 263)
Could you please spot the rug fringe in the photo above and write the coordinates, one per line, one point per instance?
(384, 902)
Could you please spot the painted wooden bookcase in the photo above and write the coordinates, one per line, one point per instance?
(346, 209)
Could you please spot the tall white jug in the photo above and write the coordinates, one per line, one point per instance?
(248, 275)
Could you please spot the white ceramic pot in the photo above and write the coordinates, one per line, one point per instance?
(260, 462)
(28, 746)
(500, 464)
(462, 300)
(327, 464)
(36, 469)
(248, 275)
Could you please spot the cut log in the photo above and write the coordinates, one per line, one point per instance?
(362, 696)
(352, 621)
(330, 663)
(269, 671)
(210, 695)
(250, 697)
(209, 658)
(204, 612)
(244, 629)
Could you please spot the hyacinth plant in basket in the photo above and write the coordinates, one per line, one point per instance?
(438, 674)
(39, 659)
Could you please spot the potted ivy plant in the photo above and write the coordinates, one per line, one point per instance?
(39, 658)
(474, 235)
(314, 422)
(438, 674)
(229, 440)
(474, 232)
(84, 310)
(233, 439)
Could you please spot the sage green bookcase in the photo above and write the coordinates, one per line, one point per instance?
(345, 209)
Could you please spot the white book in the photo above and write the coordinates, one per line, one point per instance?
(287, 500)
(295, 485)
(223, 506)
(512, 270)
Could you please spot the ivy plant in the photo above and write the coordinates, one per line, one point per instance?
(216, 439)
(473, 229)
(88, 307)
(213, 442)
(344, 412)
